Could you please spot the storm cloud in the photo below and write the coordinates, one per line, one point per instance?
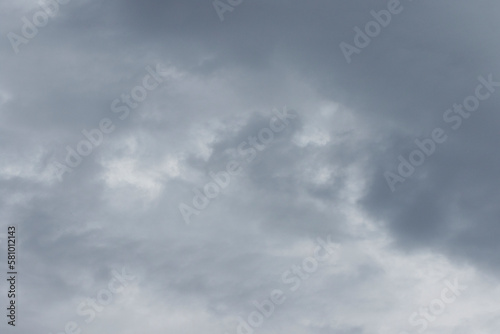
(187, 87)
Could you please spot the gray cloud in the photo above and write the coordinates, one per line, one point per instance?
(323, 175)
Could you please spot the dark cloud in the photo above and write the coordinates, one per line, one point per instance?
(323, 175)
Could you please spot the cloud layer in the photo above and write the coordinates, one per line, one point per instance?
(223, 82)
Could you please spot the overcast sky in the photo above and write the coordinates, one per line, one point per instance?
(379, 138)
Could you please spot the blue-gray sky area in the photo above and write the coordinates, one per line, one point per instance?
(251, 166)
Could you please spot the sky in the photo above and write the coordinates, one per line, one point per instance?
(240, 167)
